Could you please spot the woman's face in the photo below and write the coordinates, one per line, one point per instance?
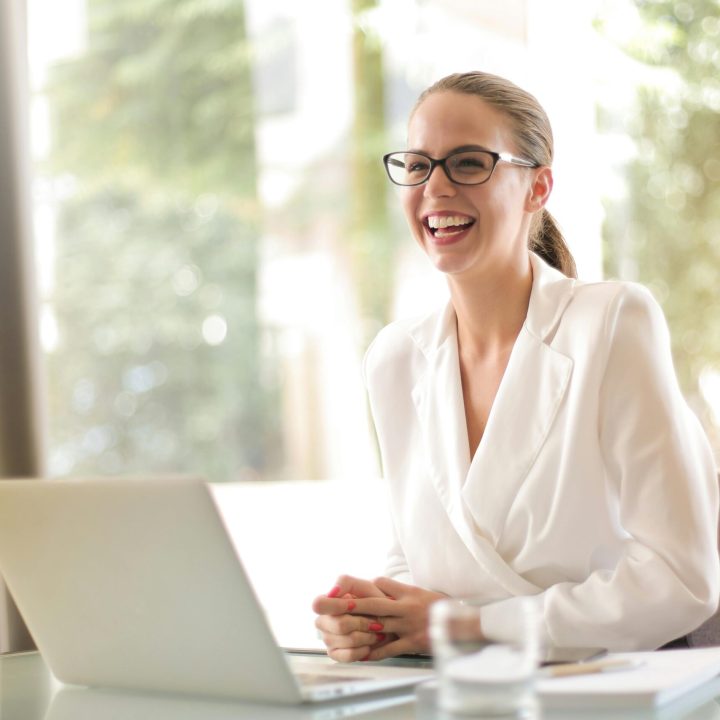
(494, 218)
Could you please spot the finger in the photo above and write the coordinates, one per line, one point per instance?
(378, 607)
(352, 640)
(324, 605)
(346, 655)
(357, 587)
(385, 625)
(346, 624)
(383, 639)
(347, 587)
(390, 649)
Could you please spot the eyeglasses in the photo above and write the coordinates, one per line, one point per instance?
(464, 167)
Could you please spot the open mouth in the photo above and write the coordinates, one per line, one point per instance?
(444, 226)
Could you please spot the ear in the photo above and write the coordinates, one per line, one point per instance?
(540, 189)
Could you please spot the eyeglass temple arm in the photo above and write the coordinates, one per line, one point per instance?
(507, 157)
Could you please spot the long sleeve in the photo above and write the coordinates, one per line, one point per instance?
(662, 488)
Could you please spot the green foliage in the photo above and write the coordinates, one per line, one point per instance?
(163, 92)
(153, 135)
(136, 385)
(670, 226)
(157, 241)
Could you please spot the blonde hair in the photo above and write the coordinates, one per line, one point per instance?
(534, 139)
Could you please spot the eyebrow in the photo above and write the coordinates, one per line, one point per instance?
(461, 148)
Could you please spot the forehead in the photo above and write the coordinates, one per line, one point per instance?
(447, 120)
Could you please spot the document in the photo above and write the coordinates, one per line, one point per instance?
(643, 680)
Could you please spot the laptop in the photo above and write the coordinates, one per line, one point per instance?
(134, 583)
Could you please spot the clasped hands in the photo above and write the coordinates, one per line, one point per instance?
(373, 620)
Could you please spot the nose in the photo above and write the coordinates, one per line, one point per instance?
(439, 184)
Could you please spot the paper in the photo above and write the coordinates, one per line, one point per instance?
(660, 677)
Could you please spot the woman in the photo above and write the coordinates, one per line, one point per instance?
(532, 432)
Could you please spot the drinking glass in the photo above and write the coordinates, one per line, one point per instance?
(482, 672)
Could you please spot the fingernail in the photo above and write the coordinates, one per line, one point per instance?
(381, 637)
(351, 606)
(334, 592)
(375, 626)
(366, 658)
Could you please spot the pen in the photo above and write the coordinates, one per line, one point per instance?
(589, 668)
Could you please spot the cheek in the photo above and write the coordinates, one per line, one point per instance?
(501, 206)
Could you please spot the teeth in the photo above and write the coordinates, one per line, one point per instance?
(443, 221)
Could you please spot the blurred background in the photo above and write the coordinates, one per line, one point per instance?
(216, 242)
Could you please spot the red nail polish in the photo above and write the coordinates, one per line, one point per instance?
(375, 627)
(366, 658)
(381, 637)
(334, 592)
(351, 606)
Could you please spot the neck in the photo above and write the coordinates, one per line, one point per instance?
(491, 309)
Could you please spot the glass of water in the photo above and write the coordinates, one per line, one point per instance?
(481, 673)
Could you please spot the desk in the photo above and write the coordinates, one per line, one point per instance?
(28, 691)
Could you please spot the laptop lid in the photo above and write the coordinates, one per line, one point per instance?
(134, 583)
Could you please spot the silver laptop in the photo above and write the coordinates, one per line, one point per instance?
(134, 583)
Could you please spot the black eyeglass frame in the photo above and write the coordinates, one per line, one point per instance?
(434, 162)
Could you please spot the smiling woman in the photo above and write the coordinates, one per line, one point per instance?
(534, 422)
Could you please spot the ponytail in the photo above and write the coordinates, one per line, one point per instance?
(548, 242)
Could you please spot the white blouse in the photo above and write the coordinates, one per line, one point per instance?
(593, 487)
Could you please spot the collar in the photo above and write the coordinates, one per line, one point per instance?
(549, 296)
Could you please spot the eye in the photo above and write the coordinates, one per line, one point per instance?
(417, 166)
(471, 163)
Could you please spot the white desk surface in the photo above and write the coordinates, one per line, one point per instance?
(28, 691)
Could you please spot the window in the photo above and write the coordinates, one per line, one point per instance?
(217, 243)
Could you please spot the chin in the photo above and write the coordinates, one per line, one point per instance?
(448, 265)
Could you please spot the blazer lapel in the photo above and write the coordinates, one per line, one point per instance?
(527, 401)
(441, 412)
(439, 405)
(476, 496)
(525, 406)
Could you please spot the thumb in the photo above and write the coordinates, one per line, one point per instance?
(392, 588)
